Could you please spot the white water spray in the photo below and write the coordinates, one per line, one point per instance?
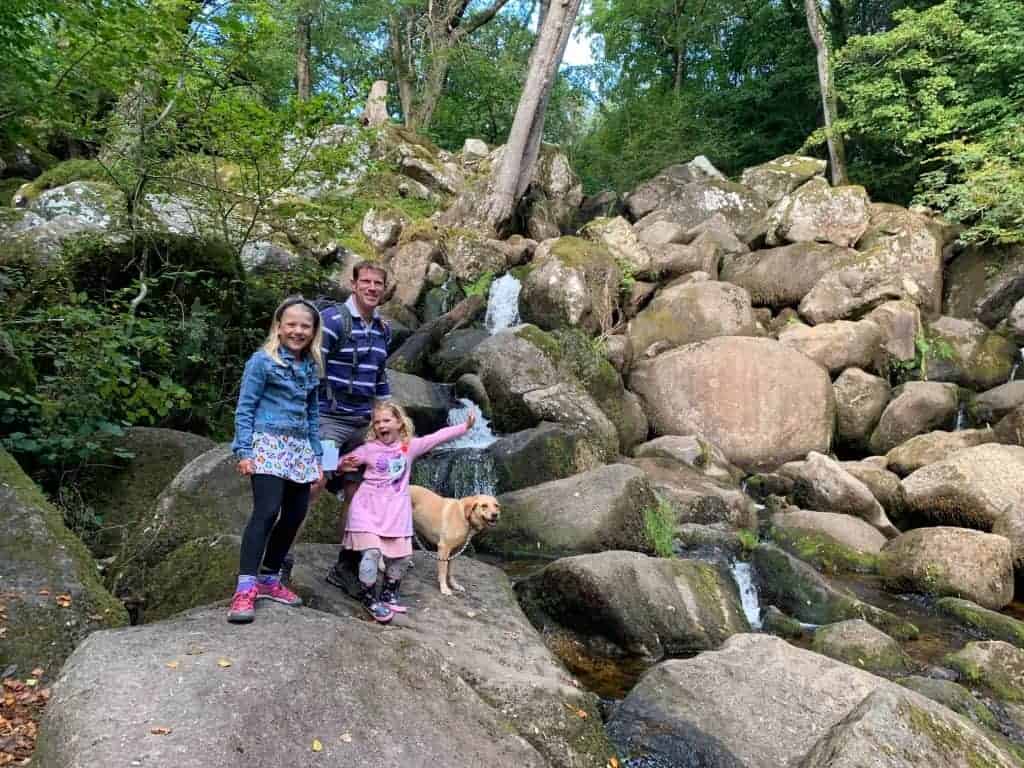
(741, 572)
(503, 303)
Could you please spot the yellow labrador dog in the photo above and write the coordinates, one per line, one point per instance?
(449, 524)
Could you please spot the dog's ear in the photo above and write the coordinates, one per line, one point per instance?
(468, 505)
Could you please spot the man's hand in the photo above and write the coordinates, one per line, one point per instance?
(246, 467)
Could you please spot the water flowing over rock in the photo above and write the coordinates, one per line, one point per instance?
(503, 303)
(742, 395)
(948, 561)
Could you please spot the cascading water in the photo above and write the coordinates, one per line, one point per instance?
(1016, 365)
(741, 572)
(961, 417)
(463, 467)
(503, 303)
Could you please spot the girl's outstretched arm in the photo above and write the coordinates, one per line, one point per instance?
(352, 461)
(420, 445)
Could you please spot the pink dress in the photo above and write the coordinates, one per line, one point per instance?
(380, 515)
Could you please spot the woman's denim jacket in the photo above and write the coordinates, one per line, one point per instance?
(277, 399)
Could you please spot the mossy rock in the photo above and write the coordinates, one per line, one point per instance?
(537, 455)
(993, 665)
(781, 625)
(200, 572)
(7, 189)
(823, 552)
(53, 594)
(992, 625)
(321, 525)
(857, 643)
(800, 591)
(951, 695)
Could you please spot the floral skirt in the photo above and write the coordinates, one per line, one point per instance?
(284, 456)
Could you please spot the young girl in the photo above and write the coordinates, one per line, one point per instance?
(277, 442)
(380, 515)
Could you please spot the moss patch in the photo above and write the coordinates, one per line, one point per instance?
(823, 552)
(990, 624)
(198, 573)
(660, 527)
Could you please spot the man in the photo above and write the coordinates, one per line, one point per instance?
(355, 377)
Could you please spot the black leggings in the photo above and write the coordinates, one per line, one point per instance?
(269, 535)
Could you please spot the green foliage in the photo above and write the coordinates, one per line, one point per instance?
(927, 348)
(479, 287)
(933, 108)
(660, 527)
(71, 170)
(748, 540)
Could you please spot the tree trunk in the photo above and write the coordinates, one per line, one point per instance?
(523, 145)
(836, 150)
(403, 75)
(303, 77)
(376, 112)
(413, 353)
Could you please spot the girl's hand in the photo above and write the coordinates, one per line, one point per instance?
(349, 463)
(319, 475)
(471, 420)
(246, 467)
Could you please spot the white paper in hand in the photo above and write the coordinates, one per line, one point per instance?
(330, 460)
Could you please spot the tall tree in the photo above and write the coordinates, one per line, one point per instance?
(304, 44)
(523, 146)
(836, 150)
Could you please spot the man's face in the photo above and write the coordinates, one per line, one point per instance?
(368, 289)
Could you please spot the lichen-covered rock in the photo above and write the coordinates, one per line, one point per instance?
(950, 695)
(92, 203)
(900, 322)
(916, 407)
(846, 530)
(821, 484)
(800, 591)
(859, 644)
(994, 665)
(569, 404)
(571, 283)
(948, 561)
(910, 731)
(836, 346)
(1015, 322)
(693, 451)
(981, 487)
(974, 357)
(690, 203)
(700, 711)
(651, 194)
(984, 283)
(698, 497)
(681, 314)
(883, 484)
(53, 597)
(818, 212)
(738, 393)
(990, 624)
(129, 494)
(643, 605)
(777, 178)
(900, 258)
(621, 241)
(264, 255)
(469, 256)
(922, 450)
(590, 512)
(781, 277)
(540, 454)
(15, 220)
(409, 268)
(860, 400)
(382, 228)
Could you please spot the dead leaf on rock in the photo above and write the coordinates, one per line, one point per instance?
(225, 663)
(613, 762)
(160, 731)
(64, 601)
(317, 746)
(172, 665)
(346, 737)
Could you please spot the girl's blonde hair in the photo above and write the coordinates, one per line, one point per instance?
(407, 431)
(272, 345)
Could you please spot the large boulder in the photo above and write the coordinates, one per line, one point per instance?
(690, 203)
(992, 664)
(901, 258)
(470, 256)
(900, 322)
(52, 595)
(681, 314)
(883, 484)
(984, 283)
(618, 236)
(916, 407)
(849, 531)
(777, 178)
(969, 354)
(836, 346)
(692, 451)
(981, 487)
(697, 497)
(426, 402)
(653, 193)
(954, 562)
(571, 283)
(92, 203)
(590, 512)
(157, 455)
(537, 455)
(700, 711)
(484, 637)
(989, 407)
(860, 400)
(922, 450)
(117, 700)
(910, 731)
(408, 270)
(818, 212)
(781, 277)
(643, 605)
(821, 484)
(739, 393)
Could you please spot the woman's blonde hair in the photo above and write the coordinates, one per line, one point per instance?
(407, 431)
(272, 345)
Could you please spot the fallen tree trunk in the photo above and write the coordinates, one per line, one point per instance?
(410, 357)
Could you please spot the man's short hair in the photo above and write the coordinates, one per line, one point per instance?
(374, 266)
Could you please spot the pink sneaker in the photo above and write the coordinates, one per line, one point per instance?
(243, 606)
(277, 592)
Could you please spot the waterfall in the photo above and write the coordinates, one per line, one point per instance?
(1016, 365)
(462, 467)
(961, 417)
(503, 303)
(741, 572)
